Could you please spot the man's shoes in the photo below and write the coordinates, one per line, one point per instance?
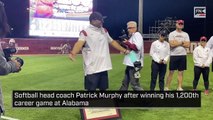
(137, 88)
(123, 88)
(179, 89)
(206, 92)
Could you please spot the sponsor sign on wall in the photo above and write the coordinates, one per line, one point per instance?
(199, 12)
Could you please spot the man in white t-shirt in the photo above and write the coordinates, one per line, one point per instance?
(135, 44)
(94, 42)
(179, 41)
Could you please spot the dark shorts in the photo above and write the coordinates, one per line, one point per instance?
(178, 63)
(96, 81)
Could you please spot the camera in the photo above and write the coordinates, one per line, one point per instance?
(9, 51)
(123, 36)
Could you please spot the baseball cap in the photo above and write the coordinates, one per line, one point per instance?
(180, 21)
(163, 33)
(96, 16)
(203, 38)
(131, 24)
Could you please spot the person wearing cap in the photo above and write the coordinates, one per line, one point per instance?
(160, 52)
(94, 42)
(179, 41)
(135, 45)
(202, 60)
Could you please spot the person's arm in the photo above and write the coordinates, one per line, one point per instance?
(8, 67)
(117, 46)
(165, 60)
(76, 49)
(186, 42)
(175, 43)
(131, 46)
(78, 45)
(153, 53)
(137, 42)
(196, 58)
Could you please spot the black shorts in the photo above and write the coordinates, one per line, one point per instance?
(96, 81)
(178, 63)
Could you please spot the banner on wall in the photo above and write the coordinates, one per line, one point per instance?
(199, 12)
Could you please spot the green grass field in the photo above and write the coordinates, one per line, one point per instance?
(57, 72)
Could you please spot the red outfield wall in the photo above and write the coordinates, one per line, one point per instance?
(57, 46)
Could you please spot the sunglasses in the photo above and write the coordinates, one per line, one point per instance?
(180, 24)
(130, 27)
(163, 35)
(99, 19)
(203, 40)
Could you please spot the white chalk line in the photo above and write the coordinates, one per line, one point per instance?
(8, 118)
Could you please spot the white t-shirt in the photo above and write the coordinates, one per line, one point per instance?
(179, 36)
(160, 51)
(136, 39)
(96, 50)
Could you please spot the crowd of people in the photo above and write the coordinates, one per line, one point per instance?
(94, 42)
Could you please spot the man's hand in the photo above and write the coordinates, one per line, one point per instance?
(203, 66)
(125, 40)
(119, 47)
(164, 62)
(186, 44)
(72, 56)
(126, 52)
(18, 65)
(161, 62)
